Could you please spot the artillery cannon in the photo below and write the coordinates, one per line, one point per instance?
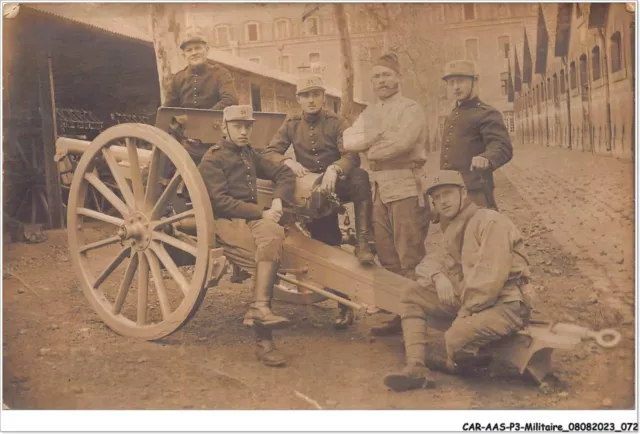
(165, 226)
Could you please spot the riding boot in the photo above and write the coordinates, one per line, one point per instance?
(415, 374)
(363, 212)
(345, 318)
(266, 350)
(260, 310)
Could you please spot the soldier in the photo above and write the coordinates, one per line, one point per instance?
(203, 83)
(251, 236)
(392, 132)
(475, 140)
(316, 136)
(476, 281)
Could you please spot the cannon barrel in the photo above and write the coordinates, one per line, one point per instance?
(76, 146)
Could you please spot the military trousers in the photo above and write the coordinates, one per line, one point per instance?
(463, 336)
(400, 228)
(246, 242)
(353, 188)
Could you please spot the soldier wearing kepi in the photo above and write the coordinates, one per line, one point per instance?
(203, 83)
(316, 136)
(251, 236)
(476, 281)
(475, 140)
(392, 132)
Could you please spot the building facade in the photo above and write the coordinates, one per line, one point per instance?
(576, 85)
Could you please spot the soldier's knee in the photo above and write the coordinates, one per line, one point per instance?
(274, 230)
(457, 339)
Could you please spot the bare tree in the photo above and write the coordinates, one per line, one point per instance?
(166, 26)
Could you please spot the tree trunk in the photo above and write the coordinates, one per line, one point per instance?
(346, 107)
(166, 26)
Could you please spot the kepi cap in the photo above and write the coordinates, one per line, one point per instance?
(460, 68)
(192, 35)
(305, 84)
(237, 113)
(444, 177)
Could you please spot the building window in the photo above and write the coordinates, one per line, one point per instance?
(549, 90)
(254, 60)
(584, 73)
(555, 86)
(282, 28)
(503, 46)
(252, 32)
(469, 11)
(563, 87)
(222, 35)
(595, 62)
(256, 103)
(336, 106)
(573, 78)
(504, 80)
(503, 10)
(314, 58)
(471, 49)
(616, 52)
(284, 63)
(312, 26)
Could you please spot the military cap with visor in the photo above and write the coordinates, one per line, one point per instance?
(444, 177)
(192, 35)
(460, 68)
(306, 84)
(238, 113)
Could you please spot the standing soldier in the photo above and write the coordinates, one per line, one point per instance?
(475, 140)
(393, 134)
(316, 136)
(203, 83)
(251, 236)
(477, 281)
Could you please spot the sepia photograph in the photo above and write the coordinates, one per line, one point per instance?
(320, 206)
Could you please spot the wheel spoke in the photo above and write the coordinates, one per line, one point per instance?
(118, 176)
(143, 289)
(158, 281)
(165, 238)
(100, 216)
(173, 219)
(153, 185)
(125, 284)
(102, 243)
(107, 193)
(136, 174)
(115, 262)
(171, 266)
(166, 195)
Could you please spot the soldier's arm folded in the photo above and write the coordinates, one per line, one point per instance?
(282, 175)
(486, 278)
(226, 90)
(172, 98)
(348, 160)
(495, 137)
(279, 144)
(403, 137)
(224, 205)
(360, 136)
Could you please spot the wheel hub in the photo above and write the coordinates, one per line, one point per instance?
(135, 230)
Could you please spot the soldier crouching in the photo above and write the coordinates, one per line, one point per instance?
(250, 236)
(473, 287)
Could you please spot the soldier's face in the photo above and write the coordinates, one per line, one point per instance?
(312, 101)
(385, 81)
(239, 132)
(195, 53)
(447, 200)
(459, 88)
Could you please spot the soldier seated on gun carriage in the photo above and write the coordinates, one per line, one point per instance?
(251, 236)
(476, 282)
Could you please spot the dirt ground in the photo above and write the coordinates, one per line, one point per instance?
(58, 354)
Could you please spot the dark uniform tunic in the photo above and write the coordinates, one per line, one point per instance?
(230, 173)
(208, 87)
(475, 129)
(317, 144)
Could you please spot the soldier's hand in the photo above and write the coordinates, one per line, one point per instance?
(276, 204)
(272, 214)
(297, 168)
(480, 163)
(329, 180)
(444, 288)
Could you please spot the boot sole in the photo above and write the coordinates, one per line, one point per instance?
(403, 383)
(272, 326)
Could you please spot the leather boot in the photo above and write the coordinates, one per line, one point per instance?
(260, 310)
(345, 318)
(266, 350)
(414, 375)
(390, 328)
(363, 212)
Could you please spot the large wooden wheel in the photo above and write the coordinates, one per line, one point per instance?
(142, 238)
